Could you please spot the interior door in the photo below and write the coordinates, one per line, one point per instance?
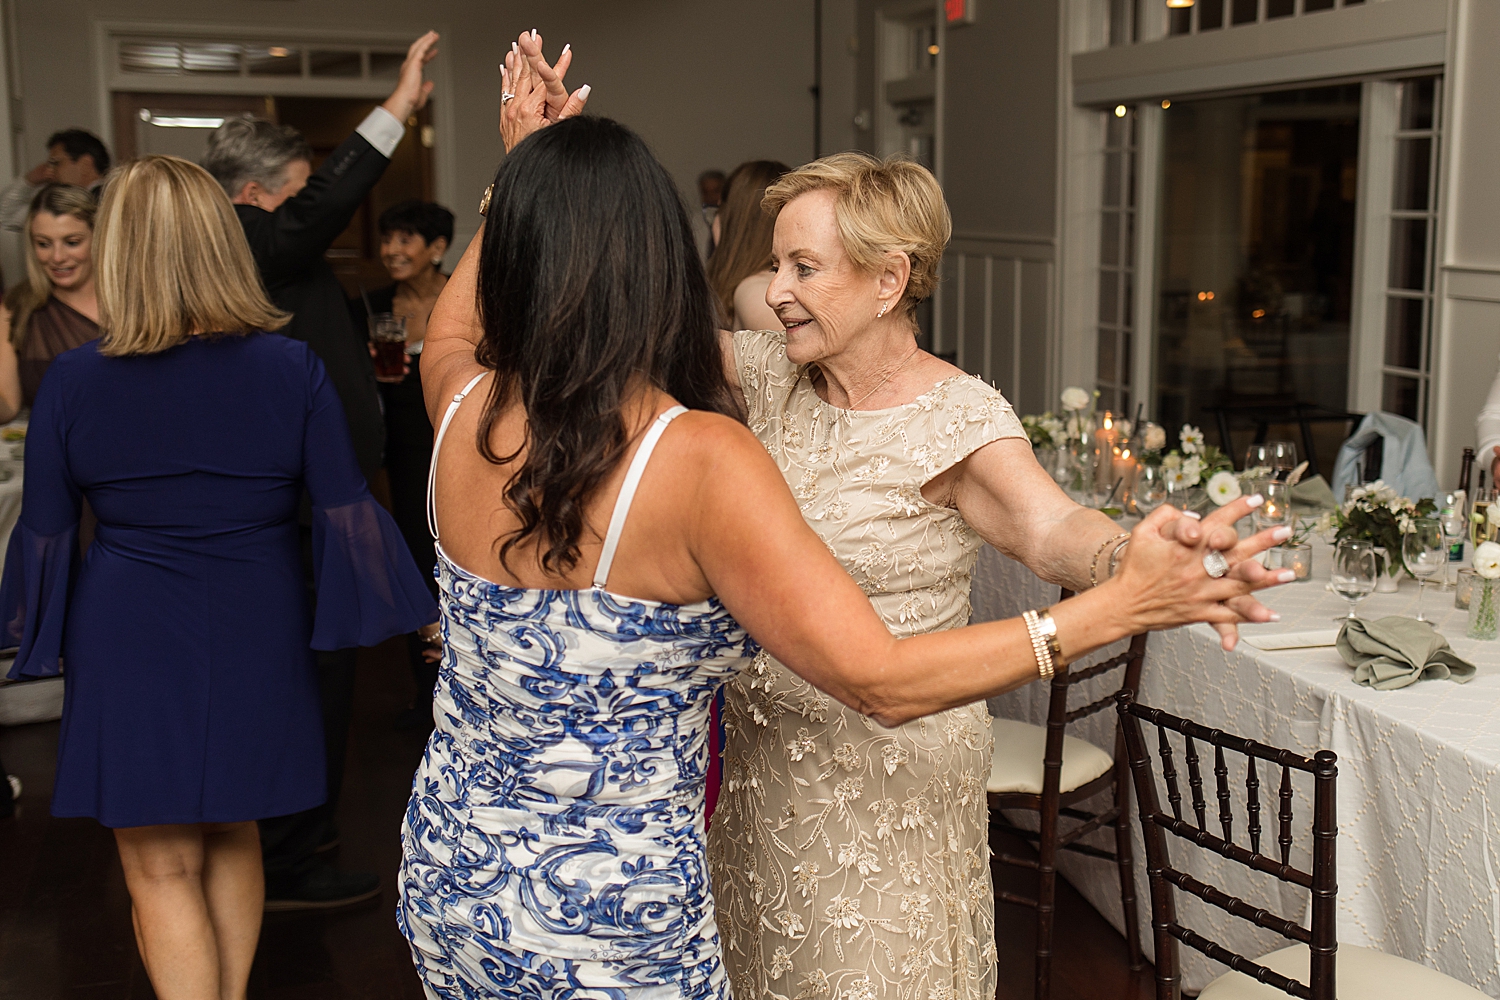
(177, 124)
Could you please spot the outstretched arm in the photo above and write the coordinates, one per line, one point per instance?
(779, 580)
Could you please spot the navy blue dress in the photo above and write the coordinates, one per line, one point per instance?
(186, 632)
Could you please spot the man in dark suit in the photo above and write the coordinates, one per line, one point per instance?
(291, 215)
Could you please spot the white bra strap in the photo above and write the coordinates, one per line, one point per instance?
(627, 492)
(437, 445)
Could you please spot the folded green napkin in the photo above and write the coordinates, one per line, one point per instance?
(1393, 652)
(1314, 492)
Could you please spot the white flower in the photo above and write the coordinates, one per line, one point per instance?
(1074, 398)
(1192, 470)
(1223, 487)
(1053, 427)
(1176, 480)
(1172, 461)
(1192, 439)
(1494, 513)
(1155, 438)
(1122, 427)
(1487, 560)
(1405, 525)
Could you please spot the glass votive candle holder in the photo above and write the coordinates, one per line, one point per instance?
(1464, 589)
(1297, 558)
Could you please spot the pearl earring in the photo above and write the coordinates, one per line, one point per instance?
(883, 308)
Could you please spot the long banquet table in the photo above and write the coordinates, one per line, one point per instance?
(1418, 781)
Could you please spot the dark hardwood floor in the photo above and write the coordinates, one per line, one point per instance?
(65, 916)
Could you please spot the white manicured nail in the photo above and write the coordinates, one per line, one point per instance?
(583, 92)
(1285, 576)
(1282, 533)
(1274, 616)
(1256, 500)
(565, 49)
(1192, 514)
(533, 34)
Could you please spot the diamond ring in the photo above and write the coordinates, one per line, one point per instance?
(506, 98)
(1215, 564)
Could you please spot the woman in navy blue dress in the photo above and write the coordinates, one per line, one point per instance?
(192, 698)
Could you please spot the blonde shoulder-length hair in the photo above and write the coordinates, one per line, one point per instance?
(26, 297)
(171, 261)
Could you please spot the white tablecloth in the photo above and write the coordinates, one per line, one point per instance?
(1418, 783)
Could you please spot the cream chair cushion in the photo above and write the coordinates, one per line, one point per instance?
(1017, 766)
(1363, 974)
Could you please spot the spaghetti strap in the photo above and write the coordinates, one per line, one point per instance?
(627, 492)
(437, 444)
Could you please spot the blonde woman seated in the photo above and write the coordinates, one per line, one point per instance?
(850, 858)
(192, 706)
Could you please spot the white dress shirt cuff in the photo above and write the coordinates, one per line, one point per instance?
(382, 130)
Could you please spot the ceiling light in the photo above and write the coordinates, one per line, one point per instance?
(278, 52)
(1178, 4)
(1165, 105)
(1120, 111)
(180, 121)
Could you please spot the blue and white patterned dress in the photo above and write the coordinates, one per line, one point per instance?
(554, 841)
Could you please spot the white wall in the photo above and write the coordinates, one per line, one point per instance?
(708, 85)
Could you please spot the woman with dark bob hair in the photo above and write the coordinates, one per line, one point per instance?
(613, 544)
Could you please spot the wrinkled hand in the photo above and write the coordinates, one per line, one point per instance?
(412, 90)
(1163, 572)
(1219, 532)
(541, 98)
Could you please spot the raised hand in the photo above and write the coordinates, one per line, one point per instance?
(534, 93)
(412, 90)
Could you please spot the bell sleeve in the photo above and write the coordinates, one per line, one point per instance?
(42, 557)
(368, 586)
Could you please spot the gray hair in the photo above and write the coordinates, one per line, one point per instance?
(252, 149)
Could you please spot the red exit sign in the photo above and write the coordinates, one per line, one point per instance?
(959, 11)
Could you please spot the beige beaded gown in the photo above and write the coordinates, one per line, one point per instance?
(851, 861)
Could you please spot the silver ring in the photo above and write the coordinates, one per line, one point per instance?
(1215, 564)
(506, 98)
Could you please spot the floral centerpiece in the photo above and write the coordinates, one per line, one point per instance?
(1376, 513)
(1482, 611)
(1194, 462)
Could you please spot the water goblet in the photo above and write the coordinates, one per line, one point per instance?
(1424, 553)
(1353, 573)
(1454, 517)
(1278, 456)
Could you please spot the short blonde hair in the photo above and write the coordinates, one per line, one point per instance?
(881, 206)
(170, 260)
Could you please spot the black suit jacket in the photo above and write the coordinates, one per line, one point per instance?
(288, 245)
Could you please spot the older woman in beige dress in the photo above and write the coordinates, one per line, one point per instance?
(850, 860)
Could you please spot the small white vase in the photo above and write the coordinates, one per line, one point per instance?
(1384, 582)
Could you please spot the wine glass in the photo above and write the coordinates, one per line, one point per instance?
(1278, 456)
(1453, 516)
(1423, 551)
(1353, 575)
(1150, 488)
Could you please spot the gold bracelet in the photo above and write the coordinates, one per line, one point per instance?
(1094, 563)
(1039, 645)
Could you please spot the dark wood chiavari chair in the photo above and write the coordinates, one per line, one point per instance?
(1045, 771)
(1312, 968)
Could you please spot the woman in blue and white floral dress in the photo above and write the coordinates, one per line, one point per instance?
(597, 589)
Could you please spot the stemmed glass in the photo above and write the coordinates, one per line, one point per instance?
(1353, 575)
(1278, 456)
(1453, 516)
(1150, 488)
(1424, 553)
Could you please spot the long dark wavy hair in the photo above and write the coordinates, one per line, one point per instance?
(589, 287)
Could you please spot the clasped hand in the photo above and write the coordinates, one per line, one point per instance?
(1162, 570)
(539, 95)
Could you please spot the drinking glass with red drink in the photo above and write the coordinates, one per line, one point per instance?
(388, 338)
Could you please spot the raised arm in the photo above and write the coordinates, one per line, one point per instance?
(1015, 506)
(779, 580)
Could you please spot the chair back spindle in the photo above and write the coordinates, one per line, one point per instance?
(1165, 880)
